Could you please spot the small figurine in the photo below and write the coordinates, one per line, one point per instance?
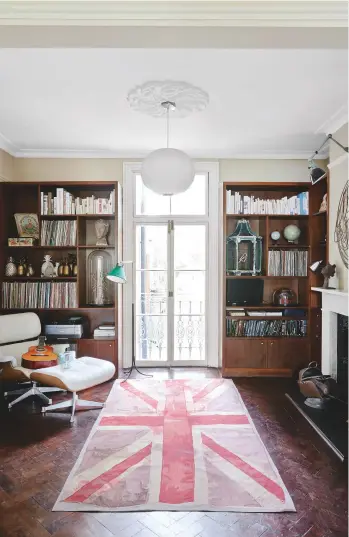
(323, 206)
(47, 268)
(102, 228)
(56, 269)
(328, 271)
(10, 269)
(30, 271)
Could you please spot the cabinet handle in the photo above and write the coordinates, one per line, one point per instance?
(262, 343)
(109, 344)
(272, 343)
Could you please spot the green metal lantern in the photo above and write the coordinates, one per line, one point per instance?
(244, 251)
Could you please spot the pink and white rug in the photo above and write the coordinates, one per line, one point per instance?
(180, 445)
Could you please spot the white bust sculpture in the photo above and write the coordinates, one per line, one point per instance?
(102, 228)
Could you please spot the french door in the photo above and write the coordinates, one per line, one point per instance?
(170, 284)
(173, 244)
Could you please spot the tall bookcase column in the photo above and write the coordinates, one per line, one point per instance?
(61, 208)
(254, 336)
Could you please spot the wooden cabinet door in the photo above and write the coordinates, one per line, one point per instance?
(104, 349)
(288, 353)
(245, 353)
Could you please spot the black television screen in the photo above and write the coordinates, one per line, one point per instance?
(245, 291)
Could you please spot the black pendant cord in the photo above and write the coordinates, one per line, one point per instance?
(128, 371)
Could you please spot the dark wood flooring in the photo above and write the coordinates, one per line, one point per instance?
(37, 453)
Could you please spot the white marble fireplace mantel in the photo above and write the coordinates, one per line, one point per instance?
(334, 302)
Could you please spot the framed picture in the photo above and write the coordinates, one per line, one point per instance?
(27, 225)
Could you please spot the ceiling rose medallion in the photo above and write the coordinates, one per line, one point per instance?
(147, 98)
(167, 171)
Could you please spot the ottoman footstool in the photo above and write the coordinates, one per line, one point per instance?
(84, 373)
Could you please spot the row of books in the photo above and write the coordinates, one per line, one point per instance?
(287, 262)
(273, 328)
(241, 204)
(65, 203)
(58, 233)
(241, 312)
(18, 295)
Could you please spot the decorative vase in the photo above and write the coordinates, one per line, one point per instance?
(10, 269)
(60, 268)
(66, 269)
(292, 233)
(20, 269)
(47, 268)
(99, 288)
(102, 229)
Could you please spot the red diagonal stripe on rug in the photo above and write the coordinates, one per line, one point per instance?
(90, 488)
(218, 419)
(148, 421)
(249, 470)
(208, 389)
(138, 393)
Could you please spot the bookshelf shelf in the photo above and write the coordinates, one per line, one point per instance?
(39, 279)
(276, 355)
(29, 248)
(265, 277)
(30, 197)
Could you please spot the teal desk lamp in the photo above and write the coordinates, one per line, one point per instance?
(117, 275)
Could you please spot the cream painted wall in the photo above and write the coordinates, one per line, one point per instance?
(338, 177)
(99, 169)
(56, 170)
(264, 170)
(6, 166)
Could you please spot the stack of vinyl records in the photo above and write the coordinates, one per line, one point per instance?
(18, 295)
(58, 233)
(288, 262)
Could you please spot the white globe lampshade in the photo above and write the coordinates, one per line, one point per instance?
(167, 171)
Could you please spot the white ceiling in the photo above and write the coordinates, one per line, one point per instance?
(262, 102)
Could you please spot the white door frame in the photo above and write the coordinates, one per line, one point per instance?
(213, 350)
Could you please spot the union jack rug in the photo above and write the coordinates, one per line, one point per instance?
(174, 445)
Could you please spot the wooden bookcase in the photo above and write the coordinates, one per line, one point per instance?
(26, 198)
(319, 240)
(281, 355)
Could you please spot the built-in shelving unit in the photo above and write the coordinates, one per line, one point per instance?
(27, 198)
(277, 355)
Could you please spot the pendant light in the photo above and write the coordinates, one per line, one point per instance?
(168, 171)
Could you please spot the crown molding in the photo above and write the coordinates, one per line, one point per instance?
(126, 154)
(335, 122)
(8, 146)
(311, 13)
(337, 161)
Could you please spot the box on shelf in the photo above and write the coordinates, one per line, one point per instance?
(21, 241)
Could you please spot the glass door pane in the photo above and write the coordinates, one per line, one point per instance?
(151, 292)
(189, 261)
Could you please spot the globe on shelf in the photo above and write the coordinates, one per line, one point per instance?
(292, 233)
(275, 235)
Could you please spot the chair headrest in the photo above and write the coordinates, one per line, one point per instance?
(18, 327)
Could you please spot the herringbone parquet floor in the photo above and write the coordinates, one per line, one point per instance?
(37, 453)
